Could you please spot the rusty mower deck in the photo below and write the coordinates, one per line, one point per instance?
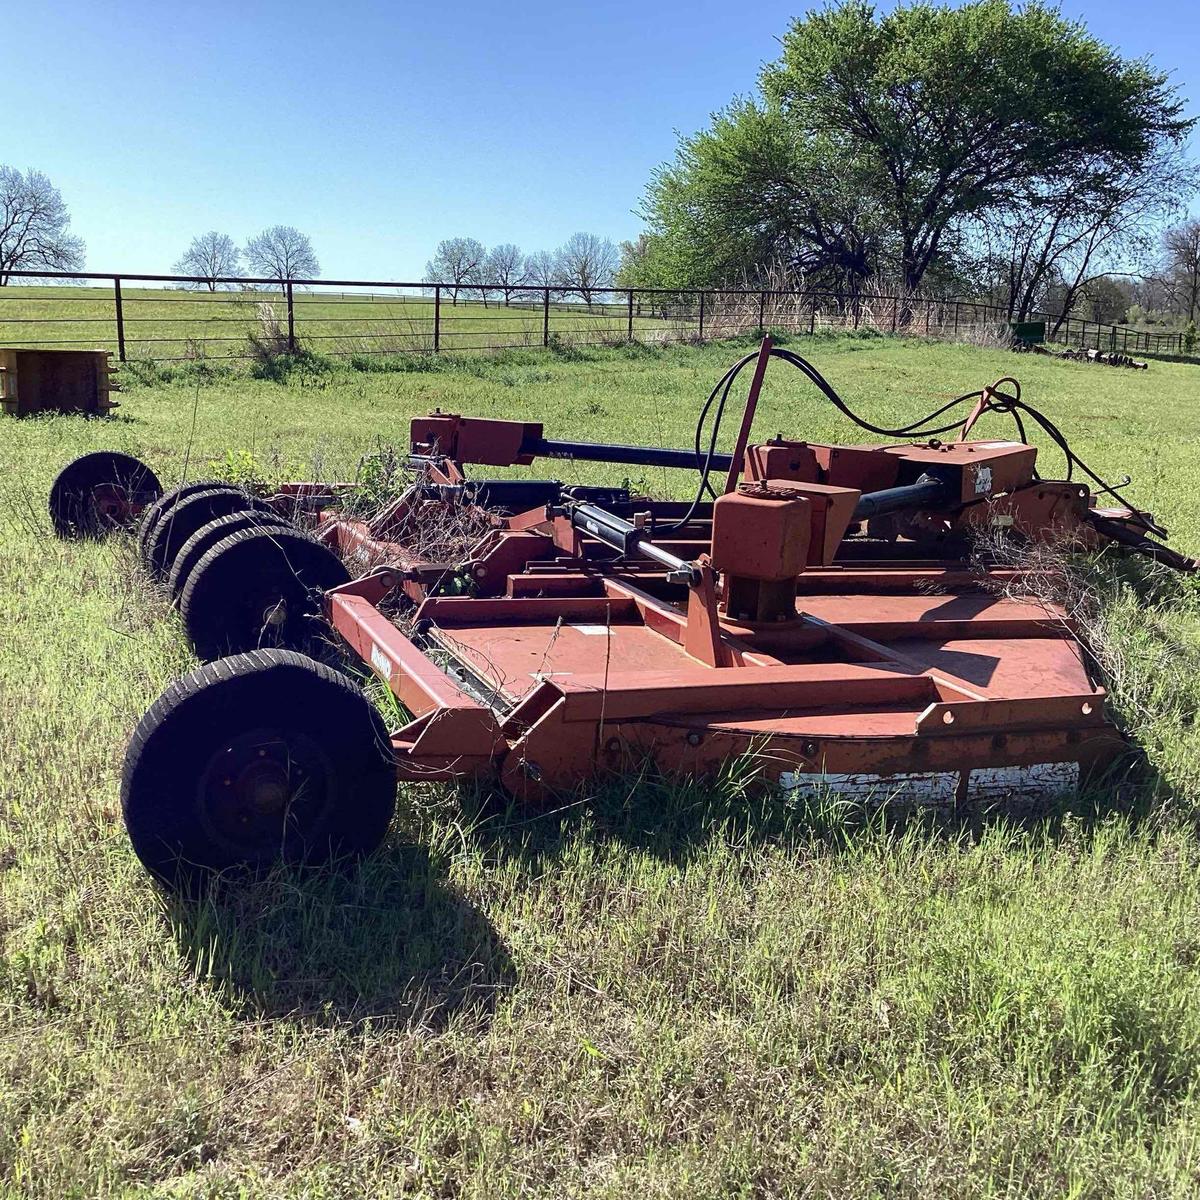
(815, 609)
(758, 625)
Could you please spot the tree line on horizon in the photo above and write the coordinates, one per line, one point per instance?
(278, 252)
(584, 265)
(35, 235)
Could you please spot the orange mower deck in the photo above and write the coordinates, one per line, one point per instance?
(820, 618)
(819, 612)
(885, 679)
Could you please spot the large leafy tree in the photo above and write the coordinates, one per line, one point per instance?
(749, 193)
(877, 138)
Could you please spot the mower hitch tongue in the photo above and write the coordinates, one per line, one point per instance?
(822, 611)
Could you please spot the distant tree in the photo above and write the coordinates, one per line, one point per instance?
(281, 252)
(505, 267)
(211, 256)
(1105, 299)
(457, 263)
(541, 269)
(1153, 297)
(34, 226)
(586, 264)
(1182, 246)
(1059, 235)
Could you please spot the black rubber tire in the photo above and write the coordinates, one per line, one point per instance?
(167, 500)
(188, 515)
(73, 510)
(207, 536)
(260, 588)
(256, 759)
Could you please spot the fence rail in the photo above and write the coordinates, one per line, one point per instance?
(171, 318)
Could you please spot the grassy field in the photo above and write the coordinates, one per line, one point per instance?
(170, 323)
(656, 991)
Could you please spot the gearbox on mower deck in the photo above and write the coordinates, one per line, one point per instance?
(818, 611)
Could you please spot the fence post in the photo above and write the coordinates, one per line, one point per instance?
(812, 317)
(291, 319)
(956, 319)
(629, 333)
(762, 310)
(545, 316)
(700, 334)
(120, 318)
(437, 318)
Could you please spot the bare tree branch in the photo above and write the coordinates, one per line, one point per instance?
(34, 226)
(212, 256)
(282, 252)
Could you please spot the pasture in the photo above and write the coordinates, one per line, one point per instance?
(173, 323)
(655, 990)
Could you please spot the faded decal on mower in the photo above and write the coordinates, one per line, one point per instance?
(933, 787)
(1023, 783)
(381, 662)
(983, 480)
(1036, 781)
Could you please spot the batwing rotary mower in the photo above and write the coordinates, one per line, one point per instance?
(819, 610)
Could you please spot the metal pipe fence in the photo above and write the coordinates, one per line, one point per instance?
(171, 318)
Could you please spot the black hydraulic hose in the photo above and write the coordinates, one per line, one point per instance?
(999, 401)
(706, 459)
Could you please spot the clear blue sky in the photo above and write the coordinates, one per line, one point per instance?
(379, 128)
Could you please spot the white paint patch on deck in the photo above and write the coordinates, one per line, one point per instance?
(381, 662)
(1037, 781)
(932, 787)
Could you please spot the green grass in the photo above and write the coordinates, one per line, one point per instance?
(660, 990)
(167, 324)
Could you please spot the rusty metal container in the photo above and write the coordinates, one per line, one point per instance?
(58, 381)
